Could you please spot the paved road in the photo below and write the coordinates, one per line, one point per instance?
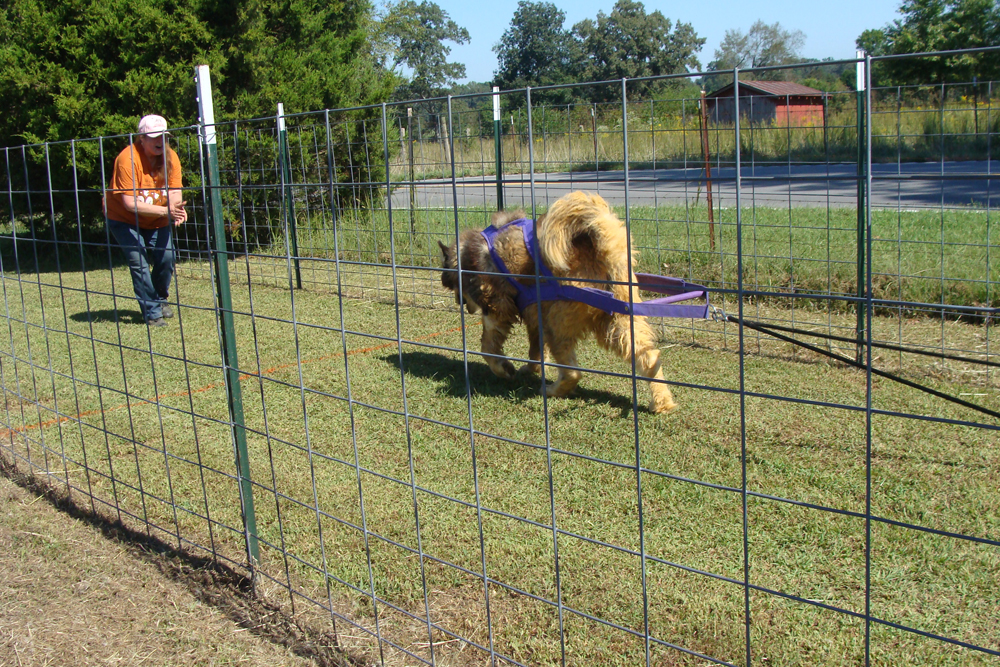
(907, 186)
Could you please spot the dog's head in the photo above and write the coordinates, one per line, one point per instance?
(470, 283)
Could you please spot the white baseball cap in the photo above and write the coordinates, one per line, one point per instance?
(153, 126)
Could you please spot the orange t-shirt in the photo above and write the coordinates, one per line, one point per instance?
(132, 176)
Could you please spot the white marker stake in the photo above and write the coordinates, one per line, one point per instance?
(206, 110)
(860, 71)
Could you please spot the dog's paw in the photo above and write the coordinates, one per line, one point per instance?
(503, 369)
(661, 405)
(557, 390)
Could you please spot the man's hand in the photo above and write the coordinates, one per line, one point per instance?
(178, 213)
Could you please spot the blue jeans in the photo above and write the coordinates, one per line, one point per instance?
(150, 257)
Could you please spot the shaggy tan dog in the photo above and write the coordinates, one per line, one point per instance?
(580, 237)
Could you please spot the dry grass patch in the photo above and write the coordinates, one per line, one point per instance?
(80, 590)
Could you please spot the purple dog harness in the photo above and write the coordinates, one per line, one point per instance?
(549, 288)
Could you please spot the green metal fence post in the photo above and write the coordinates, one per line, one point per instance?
(497, 143)
(224, 308)
(284, 157)
(862, 218)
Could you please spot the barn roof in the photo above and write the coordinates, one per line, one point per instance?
(780, 88)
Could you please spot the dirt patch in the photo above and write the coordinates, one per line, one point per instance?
(77, 589)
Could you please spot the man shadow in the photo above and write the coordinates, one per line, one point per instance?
(449, 373)
(108, 315)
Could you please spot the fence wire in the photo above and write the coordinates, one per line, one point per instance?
(794, 509)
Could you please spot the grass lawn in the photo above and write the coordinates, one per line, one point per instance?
(137, 420)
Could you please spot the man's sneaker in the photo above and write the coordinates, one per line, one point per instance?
(158, 322)
(166, 312)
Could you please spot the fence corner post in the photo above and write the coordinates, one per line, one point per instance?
(413, 175)
(861, 328)
(224, 309)
(285, 160)
(497, 139)
(708, 171)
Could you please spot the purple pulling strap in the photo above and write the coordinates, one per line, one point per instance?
(551, 289)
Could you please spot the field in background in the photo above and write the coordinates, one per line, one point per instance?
(907, 125)
(336, 483)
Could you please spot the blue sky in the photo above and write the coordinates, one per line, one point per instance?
(830, 28)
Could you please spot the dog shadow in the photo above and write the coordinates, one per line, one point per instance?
(108, 315)
(449, 373)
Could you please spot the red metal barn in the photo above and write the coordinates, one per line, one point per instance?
(768, 103)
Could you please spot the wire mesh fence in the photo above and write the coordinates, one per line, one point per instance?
(323, 419)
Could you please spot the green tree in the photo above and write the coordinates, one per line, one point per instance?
(631, 43)
(412, 35)
(936, 25)
(762, 46)
(535, 51)
(80, 68)
(308, 54)
(84, 68)
(73, 69)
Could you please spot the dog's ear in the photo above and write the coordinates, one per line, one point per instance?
(447, 254)
(449, 279)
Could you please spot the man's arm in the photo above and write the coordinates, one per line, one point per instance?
(175, 209)
(134, 204)
(175, 196)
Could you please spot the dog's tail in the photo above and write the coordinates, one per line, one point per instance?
(581, 213)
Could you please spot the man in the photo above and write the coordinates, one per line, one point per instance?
(142, 202)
